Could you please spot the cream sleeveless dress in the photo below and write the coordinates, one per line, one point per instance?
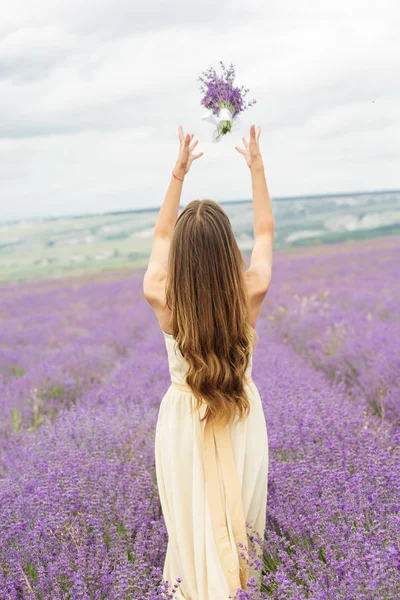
(212, 480)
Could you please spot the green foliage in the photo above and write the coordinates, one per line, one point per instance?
(37, 419)
(17, 371)
(16, 421)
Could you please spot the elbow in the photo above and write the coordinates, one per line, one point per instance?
(163, 232)
(267, 228)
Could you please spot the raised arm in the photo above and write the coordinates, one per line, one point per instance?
(259, 273)
(154, 278)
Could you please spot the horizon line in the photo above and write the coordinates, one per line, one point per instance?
(157, 208)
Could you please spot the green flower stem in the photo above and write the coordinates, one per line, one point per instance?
(224, 127)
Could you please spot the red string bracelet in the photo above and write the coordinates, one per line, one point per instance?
(176, 176)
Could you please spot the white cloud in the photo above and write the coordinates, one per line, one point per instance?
(92, 93)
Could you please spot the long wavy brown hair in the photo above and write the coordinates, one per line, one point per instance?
(206, 293)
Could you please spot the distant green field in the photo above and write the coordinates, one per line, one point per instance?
(47, 248)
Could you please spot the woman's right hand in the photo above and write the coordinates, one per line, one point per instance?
(251, 151)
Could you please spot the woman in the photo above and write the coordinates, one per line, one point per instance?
(211, 444)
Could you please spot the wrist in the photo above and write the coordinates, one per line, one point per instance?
(179, 171)
(257, 164)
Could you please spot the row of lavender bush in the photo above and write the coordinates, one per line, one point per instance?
(341, 311)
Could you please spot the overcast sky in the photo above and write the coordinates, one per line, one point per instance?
(92, 93)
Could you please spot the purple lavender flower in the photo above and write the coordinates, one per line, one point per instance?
(223, 100)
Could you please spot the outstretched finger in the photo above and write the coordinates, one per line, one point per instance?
(252, 134)
(181, 139)
(197, 155)
(245, 142)
(258, 132)
(193, 146)
(239, 150)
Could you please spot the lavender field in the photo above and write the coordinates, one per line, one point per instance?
(83, 367)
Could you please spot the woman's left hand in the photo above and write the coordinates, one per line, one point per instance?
(186, 156)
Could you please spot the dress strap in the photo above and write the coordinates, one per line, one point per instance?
(216, 438)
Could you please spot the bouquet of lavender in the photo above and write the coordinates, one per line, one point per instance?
(223, 100)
